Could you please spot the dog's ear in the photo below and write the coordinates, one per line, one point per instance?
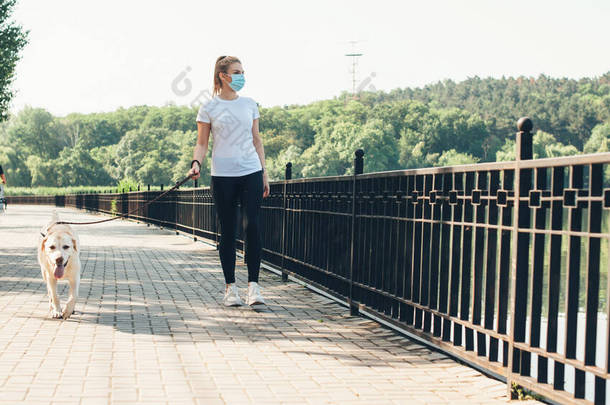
(43, 241)
(75, 245)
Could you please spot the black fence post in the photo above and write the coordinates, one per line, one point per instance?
(242, 224)
(193, 211)
(216, 226)
(175, 193)
(287, 176)
(524, 139)
(194, 191)
(147, 210)
(161, 213)
(358, 169)
(519, 362)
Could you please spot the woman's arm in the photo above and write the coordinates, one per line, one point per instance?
(258, 143)
(260, 150)
(201, 147)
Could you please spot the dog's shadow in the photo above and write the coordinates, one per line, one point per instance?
(48, 317)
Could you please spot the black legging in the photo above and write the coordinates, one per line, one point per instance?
(225, 192)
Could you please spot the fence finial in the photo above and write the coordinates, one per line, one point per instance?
(288, 173)
(524, 139)
(525, 124)
(358, 162)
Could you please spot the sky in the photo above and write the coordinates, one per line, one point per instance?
(96, 56)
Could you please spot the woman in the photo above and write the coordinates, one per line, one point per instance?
(238, 171)
(2, 200)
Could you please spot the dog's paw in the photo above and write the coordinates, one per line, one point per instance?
(55, 314)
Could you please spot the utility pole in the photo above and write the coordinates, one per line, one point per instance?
(354, 55)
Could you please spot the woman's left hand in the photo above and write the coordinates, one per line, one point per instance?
(265, 185)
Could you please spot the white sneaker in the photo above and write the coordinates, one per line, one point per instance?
(254, 294)
(231, 298)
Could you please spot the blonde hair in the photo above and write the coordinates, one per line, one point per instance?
(222, 65)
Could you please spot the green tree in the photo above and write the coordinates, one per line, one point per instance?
(379, 144)
(13, 164)
(76, 167)
(544, 145)
(507, 152)
(153, 155)
(12, 40)
(36, 132)
(428, 132)
(330, 155)
(333, 152)
(599, 140)
(276, 166)
(153, 169)
(443, 123)
(44, 172)
(567, 108)
(98, 129)
(185, 142)
(453, 158)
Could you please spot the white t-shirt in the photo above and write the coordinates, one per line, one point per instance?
(233, 153)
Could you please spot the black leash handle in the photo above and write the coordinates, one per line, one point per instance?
(178, 184)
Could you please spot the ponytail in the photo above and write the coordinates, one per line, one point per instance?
(222, 65)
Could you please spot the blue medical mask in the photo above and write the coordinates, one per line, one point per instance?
(237, 81)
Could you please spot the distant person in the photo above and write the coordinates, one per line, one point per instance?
(238, 171)
(3, 177)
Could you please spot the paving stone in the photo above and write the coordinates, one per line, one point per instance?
(150, 328)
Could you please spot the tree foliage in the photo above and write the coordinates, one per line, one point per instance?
(12, 40)
(442, 124)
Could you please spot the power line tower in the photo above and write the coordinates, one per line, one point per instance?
(354, 55)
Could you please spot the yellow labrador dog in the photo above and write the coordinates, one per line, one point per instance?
(58, 251)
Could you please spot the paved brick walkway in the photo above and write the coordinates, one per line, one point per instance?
(150, 328)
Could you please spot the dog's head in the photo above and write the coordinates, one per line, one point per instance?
(58, 248)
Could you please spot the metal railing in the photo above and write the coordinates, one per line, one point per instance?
(504, 265)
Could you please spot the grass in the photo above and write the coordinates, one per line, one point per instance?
(57, 190)
(522, 394)
(14, 191)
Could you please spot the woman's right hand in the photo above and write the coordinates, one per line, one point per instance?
(194, 172)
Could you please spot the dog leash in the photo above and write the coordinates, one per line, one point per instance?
(178, 184)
